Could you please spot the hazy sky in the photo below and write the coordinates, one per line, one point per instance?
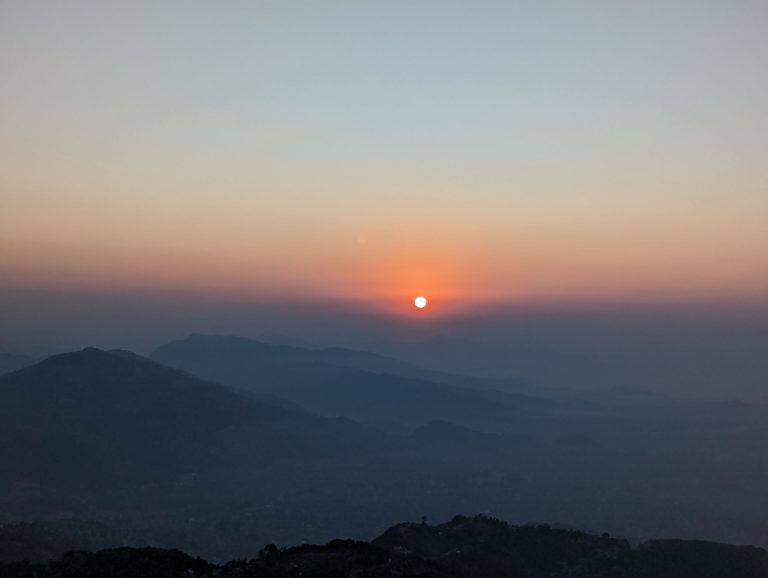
(375, 150)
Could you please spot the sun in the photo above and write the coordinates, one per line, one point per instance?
(420, 302)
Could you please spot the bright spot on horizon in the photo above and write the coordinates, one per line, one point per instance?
(420, 302)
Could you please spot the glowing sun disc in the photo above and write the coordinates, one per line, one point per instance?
(420, 302)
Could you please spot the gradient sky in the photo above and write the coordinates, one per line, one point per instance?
(470, 151)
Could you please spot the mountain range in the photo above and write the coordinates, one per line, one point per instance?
(356, 384)
(242, 442)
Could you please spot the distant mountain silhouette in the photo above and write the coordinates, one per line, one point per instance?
(280, 350)
(336, 381)
(273, 338)
(283, 350)
(508, 367)
(478, 547)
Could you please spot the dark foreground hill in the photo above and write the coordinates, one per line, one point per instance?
(79, 419)
(107, 435)
(462, 548)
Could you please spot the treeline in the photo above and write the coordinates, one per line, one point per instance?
(464, 547)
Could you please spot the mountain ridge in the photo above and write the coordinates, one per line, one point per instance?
(339, 381)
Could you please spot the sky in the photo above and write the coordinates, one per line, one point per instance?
(473, 152)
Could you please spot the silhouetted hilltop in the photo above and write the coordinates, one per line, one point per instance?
(478, 547)
(43, 541)
(115, 563)
(482, 546)
(95, 429)
(111, 416)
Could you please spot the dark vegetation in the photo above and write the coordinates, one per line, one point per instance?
(476, 547)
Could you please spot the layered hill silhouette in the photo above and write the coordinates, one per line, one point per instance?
(465, 547)
(279, 350)
(117, 438)
(110, 435)
(357, 384)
